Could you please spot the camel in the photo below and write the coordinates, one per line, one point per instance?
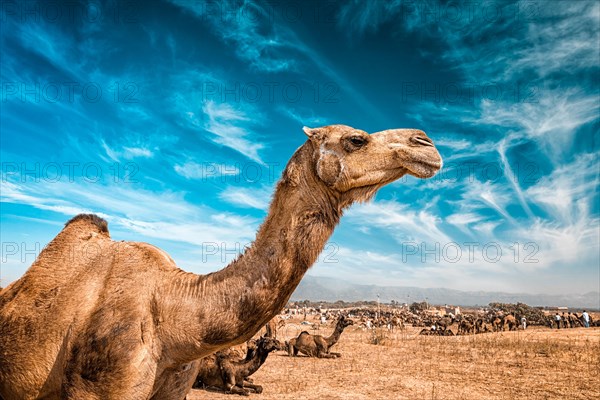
(224, 372)
(436, 332)
(444, 323)
(510, 322)
(317, 345)
(479, 323)
(575, 320)
(397, 322)
(94, 318)
(273, 326)
(465, 327)
(496, 324)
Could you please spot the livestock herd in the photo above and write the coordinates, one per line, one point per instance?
(229, 370)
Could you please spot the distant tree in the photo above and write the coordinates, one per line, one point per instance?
(534, 315)
(418, 307)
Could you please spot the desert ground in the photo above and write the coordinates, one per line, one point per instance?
(539, 363)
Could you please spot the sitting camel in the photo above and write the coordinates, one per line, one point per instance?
(317, 345)
(444, 323)
(225, 372)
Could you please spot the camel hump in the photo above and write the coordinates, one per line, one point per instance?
(92, 219)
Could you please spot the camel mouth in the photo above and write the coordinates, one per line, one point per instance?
(393, 174)
(424, 168)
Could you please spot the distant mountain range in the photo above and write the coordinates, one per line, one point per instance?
(330, 289)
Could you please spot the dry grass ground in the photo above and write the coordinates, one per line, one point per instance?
(535, 364)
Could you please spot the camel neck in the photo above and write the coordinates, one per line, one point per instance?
(335, 336)
(252, 365)
(256, 286)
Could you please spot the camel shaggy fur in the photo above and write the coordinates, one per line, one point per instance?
(317, 345)
(94, 318)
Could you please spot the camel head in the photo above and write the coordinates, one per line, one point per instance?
(345, 322)
(356, 164)
(269, 344)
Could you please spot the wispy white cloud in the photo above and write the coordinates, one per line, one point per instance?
(133, 208)
(454, 144)
(250, 28)
(563, 38)
(269, 46)
(133, 152)
(552, 120)
(508, 171)
(233, 125)
(478, 196)
(366, 16)
(230, 127)
(492, 251)
(247, 197)
(464, 220)
(399, 220)
(568, 193)
(224, 122)
(303, 116)
(126, 152)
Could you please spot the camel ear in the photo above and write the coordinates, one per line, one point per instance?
(313, 133)
(309, 131)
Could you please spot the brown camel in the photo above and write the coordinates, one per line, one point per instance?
(465, 327)
(94, 318)
(444, 323)
(510, 322)
(223, 372)
(272, 326)
(496, 324)
(479, 325)
(317, 345)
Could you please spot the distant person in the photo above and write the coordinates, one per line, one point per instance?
(524, 323)
(557, 319)
(586, 319)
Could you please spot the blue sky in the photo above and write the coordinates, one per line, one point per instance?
(174, 120)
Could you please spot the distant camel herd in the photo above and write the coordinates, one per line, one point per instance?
(229, 370)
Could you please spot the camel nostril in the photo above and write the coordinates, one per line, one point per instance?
(422, 140)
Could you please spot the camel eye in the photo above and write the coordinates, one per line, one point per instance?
(357, 140)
